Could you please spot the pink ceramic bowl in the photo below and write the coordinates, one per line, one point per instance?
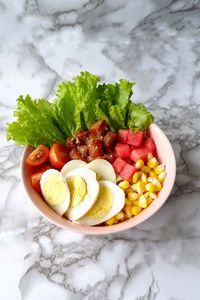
(165, 155)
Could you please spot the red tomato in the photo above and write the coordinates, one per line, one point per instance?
(70, 142)
(45, 166)
(83, 150)
(82, 136)
(58, 156)
(35, 181)
(75, 154)
(95, 148)
(110, 157)
(109, 140)
(99, 126)
(38, 156)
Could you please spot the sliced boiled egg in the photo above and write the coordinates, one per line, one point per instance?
(84, 190)
(103, 169)
(109, 202)
(71, 165)
(55, 190)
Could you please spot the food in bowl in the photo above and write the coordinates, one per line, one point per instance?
(94, 162)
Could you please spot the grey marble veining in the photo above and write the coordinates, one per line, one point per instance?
(157, 45)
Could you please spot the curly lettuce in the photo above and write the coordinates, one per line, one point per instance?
(78, 104)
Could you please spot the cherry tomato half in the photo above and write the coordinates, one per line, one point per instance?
(58, 156)
(35, 181)
(35, 178)
(38, 156)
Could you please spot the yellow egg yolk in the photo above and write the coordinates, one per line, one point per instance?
(103, 203)
(54, 189)
(99, 177)
(78, 190)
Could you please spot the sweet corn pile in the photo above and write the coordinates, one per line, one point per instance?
(142, 190)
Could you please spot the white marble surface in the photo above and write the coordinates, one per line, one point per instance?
(155, 43)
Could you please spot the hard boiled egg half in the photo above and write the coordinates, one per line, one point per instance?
(84, 190)
(109, 202)
(55, 190)
(71, 165)
(103, 169)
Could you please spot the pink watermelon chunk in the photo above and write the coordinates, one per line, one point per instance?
(123, 151)
(128, 172)
(123, 136)
(119, 165)
(150, 145)
(140, 153)
(135, 139)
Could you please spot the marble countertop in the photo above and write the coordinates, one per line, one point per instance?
(157, 45)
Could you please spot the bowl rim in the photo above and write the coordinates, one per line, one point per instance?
(103, 230)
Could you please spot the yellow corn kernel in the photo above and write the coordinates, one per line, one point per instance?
(135, 177)
(135, 202)
(149, 200)
(127, 191)
(132, 196)
(153, 195)
(124, 184)
(146, 194)
(111, 221)
(134, 187)
(150, 187)
(128, 211)
(145, 169)
(161, 177)
(144, 177)
(140, 187)
(150, 179)
(152, 163)
(149, 156)
(159, 169)
(157, 185)
(127, 201)
(136, 210)
(153, 174)
(139, 164)
(143, 201)
(120, 215)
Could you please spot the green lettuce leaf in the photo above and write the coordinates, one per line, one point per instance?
(35, 123)
(78, 104)
(138, 118)
(74, 107)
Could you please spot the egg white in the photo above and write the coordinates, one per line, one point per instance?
(75, 213)
(103, 168)
(60, 208)
(71, 165)
(118, 200)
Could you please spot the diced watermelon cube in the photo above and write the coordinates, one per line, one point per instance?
(150, 145)
(123, 136)
(122, 150)
(128, 172)
(140, 153)
(119, 165)
(127, 160)
(135, 138)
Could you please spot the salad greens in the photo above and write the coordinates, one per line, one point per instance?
(78, 104)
